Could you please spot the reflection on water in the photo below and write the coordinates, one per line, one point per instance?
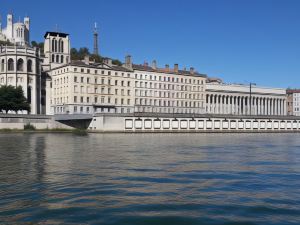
(150, 179)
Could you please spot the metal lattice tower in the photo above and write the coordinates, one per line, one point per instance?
(96, 52)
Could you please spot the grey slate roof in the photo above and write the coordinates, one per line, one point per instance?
(162, 70)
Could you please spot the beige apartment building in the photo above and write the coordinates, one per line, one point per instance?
(166, 90)
(88, 87)
(85, 87)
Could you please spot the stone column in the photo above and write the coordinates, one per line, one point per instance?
(253, 105)
(244, 105)
(279, 107)
(258, 106)
(211, 104)
(248, 105)
(284, 107)
(268, 108)
(271, 106)
(208, 104)
(221, 105)
(276, 107)
(231, 104)
(239, 105)
(216, 104)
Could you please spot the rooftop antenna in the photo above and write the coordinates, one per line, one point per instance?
(96, 51)
(56, 27)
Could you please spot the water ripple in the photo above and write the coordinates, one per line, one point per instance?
(214, 179)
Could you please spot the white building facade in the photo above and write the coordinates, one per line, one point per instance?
(16, 33)
(56, 49)
(20, 66)
(236, 99)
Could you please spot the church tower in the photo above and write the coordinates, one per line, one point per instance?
(56, 49)
(96, 51)
(9, 27)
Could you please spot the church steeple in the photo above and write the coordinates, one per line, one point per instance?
(96, 52)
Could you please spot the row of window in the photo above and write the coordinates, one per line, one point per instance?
(103, 72)
(163, 94)
(12, 79)
(102, 81)
(143, 77)
(80, 109)
(101, 90)
(164, 103)
(167, 109)
(20, 65)
(169, 79)
(102, 100)
(20, 32)
(59, 59)
(61, 90)
(92, 100)
(57, 46)
(168, 86)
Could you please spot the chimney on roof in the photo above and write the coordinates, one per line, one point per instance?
(176, 67)
(167, 68)
(107, 61)
(128, 62)
(87, 59)
(154, 66)
(192, 70)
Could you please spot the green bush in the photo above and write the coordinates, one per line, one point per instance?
(80, 132)
(28, 126)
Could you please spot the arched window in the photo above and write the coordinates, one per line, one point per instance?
(10, 65)
(20, 64)
(62, 46)
(29, 65)
(62, 59)
(58, 42)
(53, 58)
(57, 58)
(2, 65)
(53, 45)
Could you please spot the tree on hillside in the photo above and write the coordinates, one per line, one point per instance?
(82, 52)
(13, 99)
(39, 45)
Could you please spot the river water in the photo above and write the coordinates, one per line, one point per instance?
(150, 179)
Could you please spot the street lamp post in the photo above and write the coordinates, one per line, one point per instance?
(250, 99)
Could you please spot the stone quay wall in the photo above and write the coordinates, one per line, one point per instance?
(144, 122)
(13, 121)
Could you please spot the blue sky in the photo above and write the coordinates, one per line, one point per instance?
(239, 41)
